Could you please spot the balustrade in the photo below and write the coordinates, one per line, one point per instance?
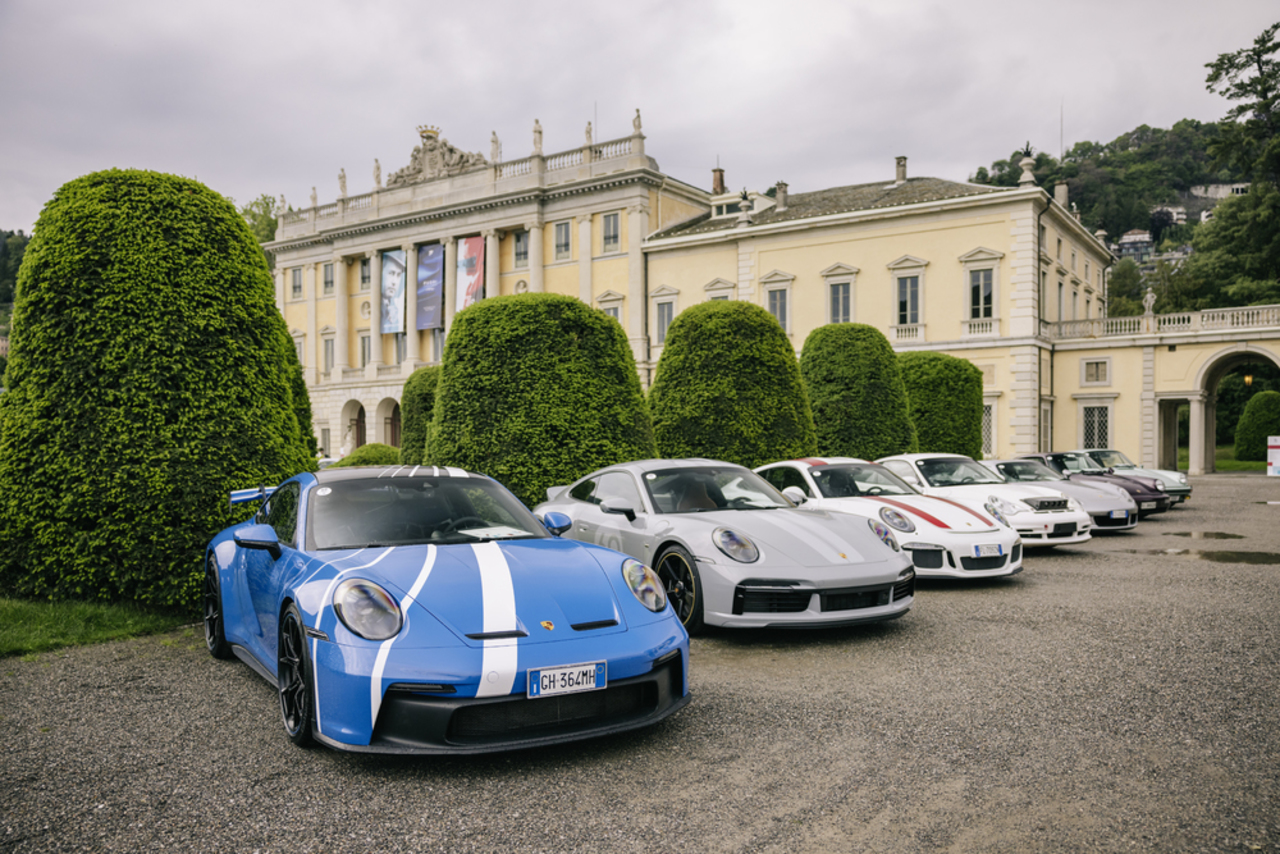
(1246, 317)
(909, 332)
(981, 328)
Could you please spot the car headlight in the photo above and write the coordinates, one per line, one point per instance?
(1182, 478)
(644, 584)
(897, 520)
(883, 532)
(735, 545)
(1159, 486)
(1072, 504)
(1006, 508)
(367, 609)
(994, 512)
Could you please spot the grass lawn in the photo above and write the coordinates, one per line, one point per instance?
(1224, 459)
(36, 626)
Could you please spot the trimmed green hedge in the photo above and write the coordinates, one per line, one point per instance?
(1261, 419)
(855, 386)
(728, 387)
(537, 390)
(302, 404)
(371, 454)
(417, 402)
(149, 375)
(944, 397)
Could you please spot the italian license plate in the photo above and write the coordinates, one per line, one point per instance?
(569, 679)
(1119, 514)
(1148, 505)
(988, 551)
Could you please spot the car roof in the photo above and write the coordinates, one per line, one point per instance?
(334, 475)
(911, 458)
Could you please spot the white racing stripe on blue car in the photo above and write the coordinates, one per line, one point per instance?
(456, 472)
(375, 684)
(499, 662)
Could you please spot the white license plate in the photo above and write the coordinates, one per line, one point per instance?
(1120, 514)
(988, 551)
(569, 679)
(1147, 505)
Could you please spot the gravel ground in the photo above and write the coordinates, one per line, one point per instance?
(1113, 697)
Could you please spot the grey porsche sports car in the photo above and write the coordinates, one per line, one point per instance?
(732, 551)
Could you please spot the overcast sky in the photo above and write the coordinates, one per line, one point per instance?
(274, 97)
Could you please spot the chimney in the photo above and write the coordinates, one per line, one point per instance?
(1060, 193)
(901, 170)
(717, 181)
(780, 197)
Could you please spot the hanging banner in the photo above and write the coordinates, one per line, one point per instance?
(470, 271)
(430, 286)
(393, 292)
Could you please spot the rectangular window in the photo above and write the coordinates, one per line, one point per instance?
(1073, 259)
(988, 431)
(840, 302)
(1059, 255)
(563, 248)
(298, 346)
(611, 238)
(666, 311)
(1095, 427)
(1046, 427)
(778, 306)
(437, 345)
(908, 300)
(615, 312)
(1088, 307)
(1095, 372)
(1061, 304)
(522, 249)
(324, 441)
(328, 279)
(1075, 304)
(401, 346)
(980, 306)
(366, 350)
(721, 297)
(1086, 271)
(364, 274)
(328, 354)
(297, 282)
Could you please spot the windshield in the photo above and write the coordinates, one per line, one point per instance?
(1080, 462)
(855, 480)
(698, 490)
(352, 514)
(1025, 470)
(1112, 459)
(956, 472)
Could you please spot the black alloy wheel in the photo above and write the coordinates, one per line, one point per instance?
(215, 637)
(679, 576)
(294, 677)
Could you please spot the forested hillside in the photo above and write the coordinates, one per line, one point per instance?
(12, 245)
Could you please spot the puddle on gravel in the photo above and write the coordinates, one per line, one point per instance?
(1205, 535)
(1266, 502)
(1258, 558)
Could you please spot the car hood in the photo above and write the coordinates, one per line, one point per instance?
(807, 538)
(922, 509)
(1095, 497)
(541, 588)
(978, 492)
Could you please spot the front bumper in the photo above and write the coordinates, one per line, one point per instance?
(1104, 521)
(1052, 528)
(941, 562)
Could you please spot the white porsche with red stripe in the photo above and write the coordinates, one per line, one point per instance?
(1041, 516)
(946, 539)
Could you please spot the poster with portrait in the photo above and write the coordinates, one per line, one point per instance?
(430, 286)
(470, 271)
(393, 279)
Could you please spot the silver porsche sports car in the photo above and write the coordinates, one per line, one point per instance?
(732, 551)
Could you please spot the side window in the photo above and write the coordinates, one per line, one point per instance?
(774, 477)
(585, 491)
(902, 470)
(282, 513)
(617, 484)
(784, 476)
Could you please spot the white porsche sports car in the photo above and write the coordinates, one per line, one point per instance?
(1042, 517)
(945, 539)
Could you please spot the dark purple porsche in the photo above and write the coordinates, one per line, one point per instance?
(1076, 465)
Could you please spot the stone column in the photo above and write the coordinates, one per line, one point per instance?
(450, 246)
(585, 250)
(309, 291)
(281, 293)
(491, 287)
(375, 318)
(1195, 464)
(637, 297)
(1210, 434)
(412, 337)
(535, 256)
(342, 326)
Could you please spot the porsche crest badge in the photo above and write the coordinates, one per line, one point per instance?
(548, 625)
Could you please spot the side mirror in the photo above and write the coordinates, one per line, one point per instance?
(557, 523)
(1110, 470)
(619, 506)
(795, 495)
(259, 537)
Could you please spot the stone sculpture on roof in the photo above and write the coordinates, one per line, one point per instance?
(435, 158)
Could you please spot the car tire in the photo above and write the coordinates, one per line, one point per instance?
(215, 632)
(679, 575)
(293, 676)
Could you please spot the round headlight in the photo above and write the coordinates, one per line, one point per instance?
(367, 609)
(883, 532)
(897, 520)
(1072, 504)
(995, 513)
(644, 583)
(1004, 508)
(1159, 486)
(735, 545)
(1182, 477)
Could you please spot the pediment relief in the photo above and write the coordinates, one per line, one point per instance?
(839, 270)
(664, 291)
(907, 262)
(297, 333)
(719, 285)
(979, 255)
(609, 296)
(328, 330)
(777, 277)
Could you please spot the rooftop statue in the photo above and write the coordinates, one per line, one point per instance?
(435, 158)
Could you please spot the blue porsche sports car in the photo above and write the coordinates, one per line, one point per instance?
(416, 609)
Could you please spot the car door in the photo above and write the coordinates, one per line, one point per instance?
(583, 510)
(615, 530)
(263, 573)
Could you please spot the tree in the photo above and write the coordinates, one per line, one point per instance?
(945, 402)
(728, 387)
(1250, 132)
(148, 376)
(1261, 419)
(370, 454)
(1237, 253)
(1158, 222)
(537, 390)
(417, 402)
(1125, 289)
(855, 385)
(261, 215)
(13, 245)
